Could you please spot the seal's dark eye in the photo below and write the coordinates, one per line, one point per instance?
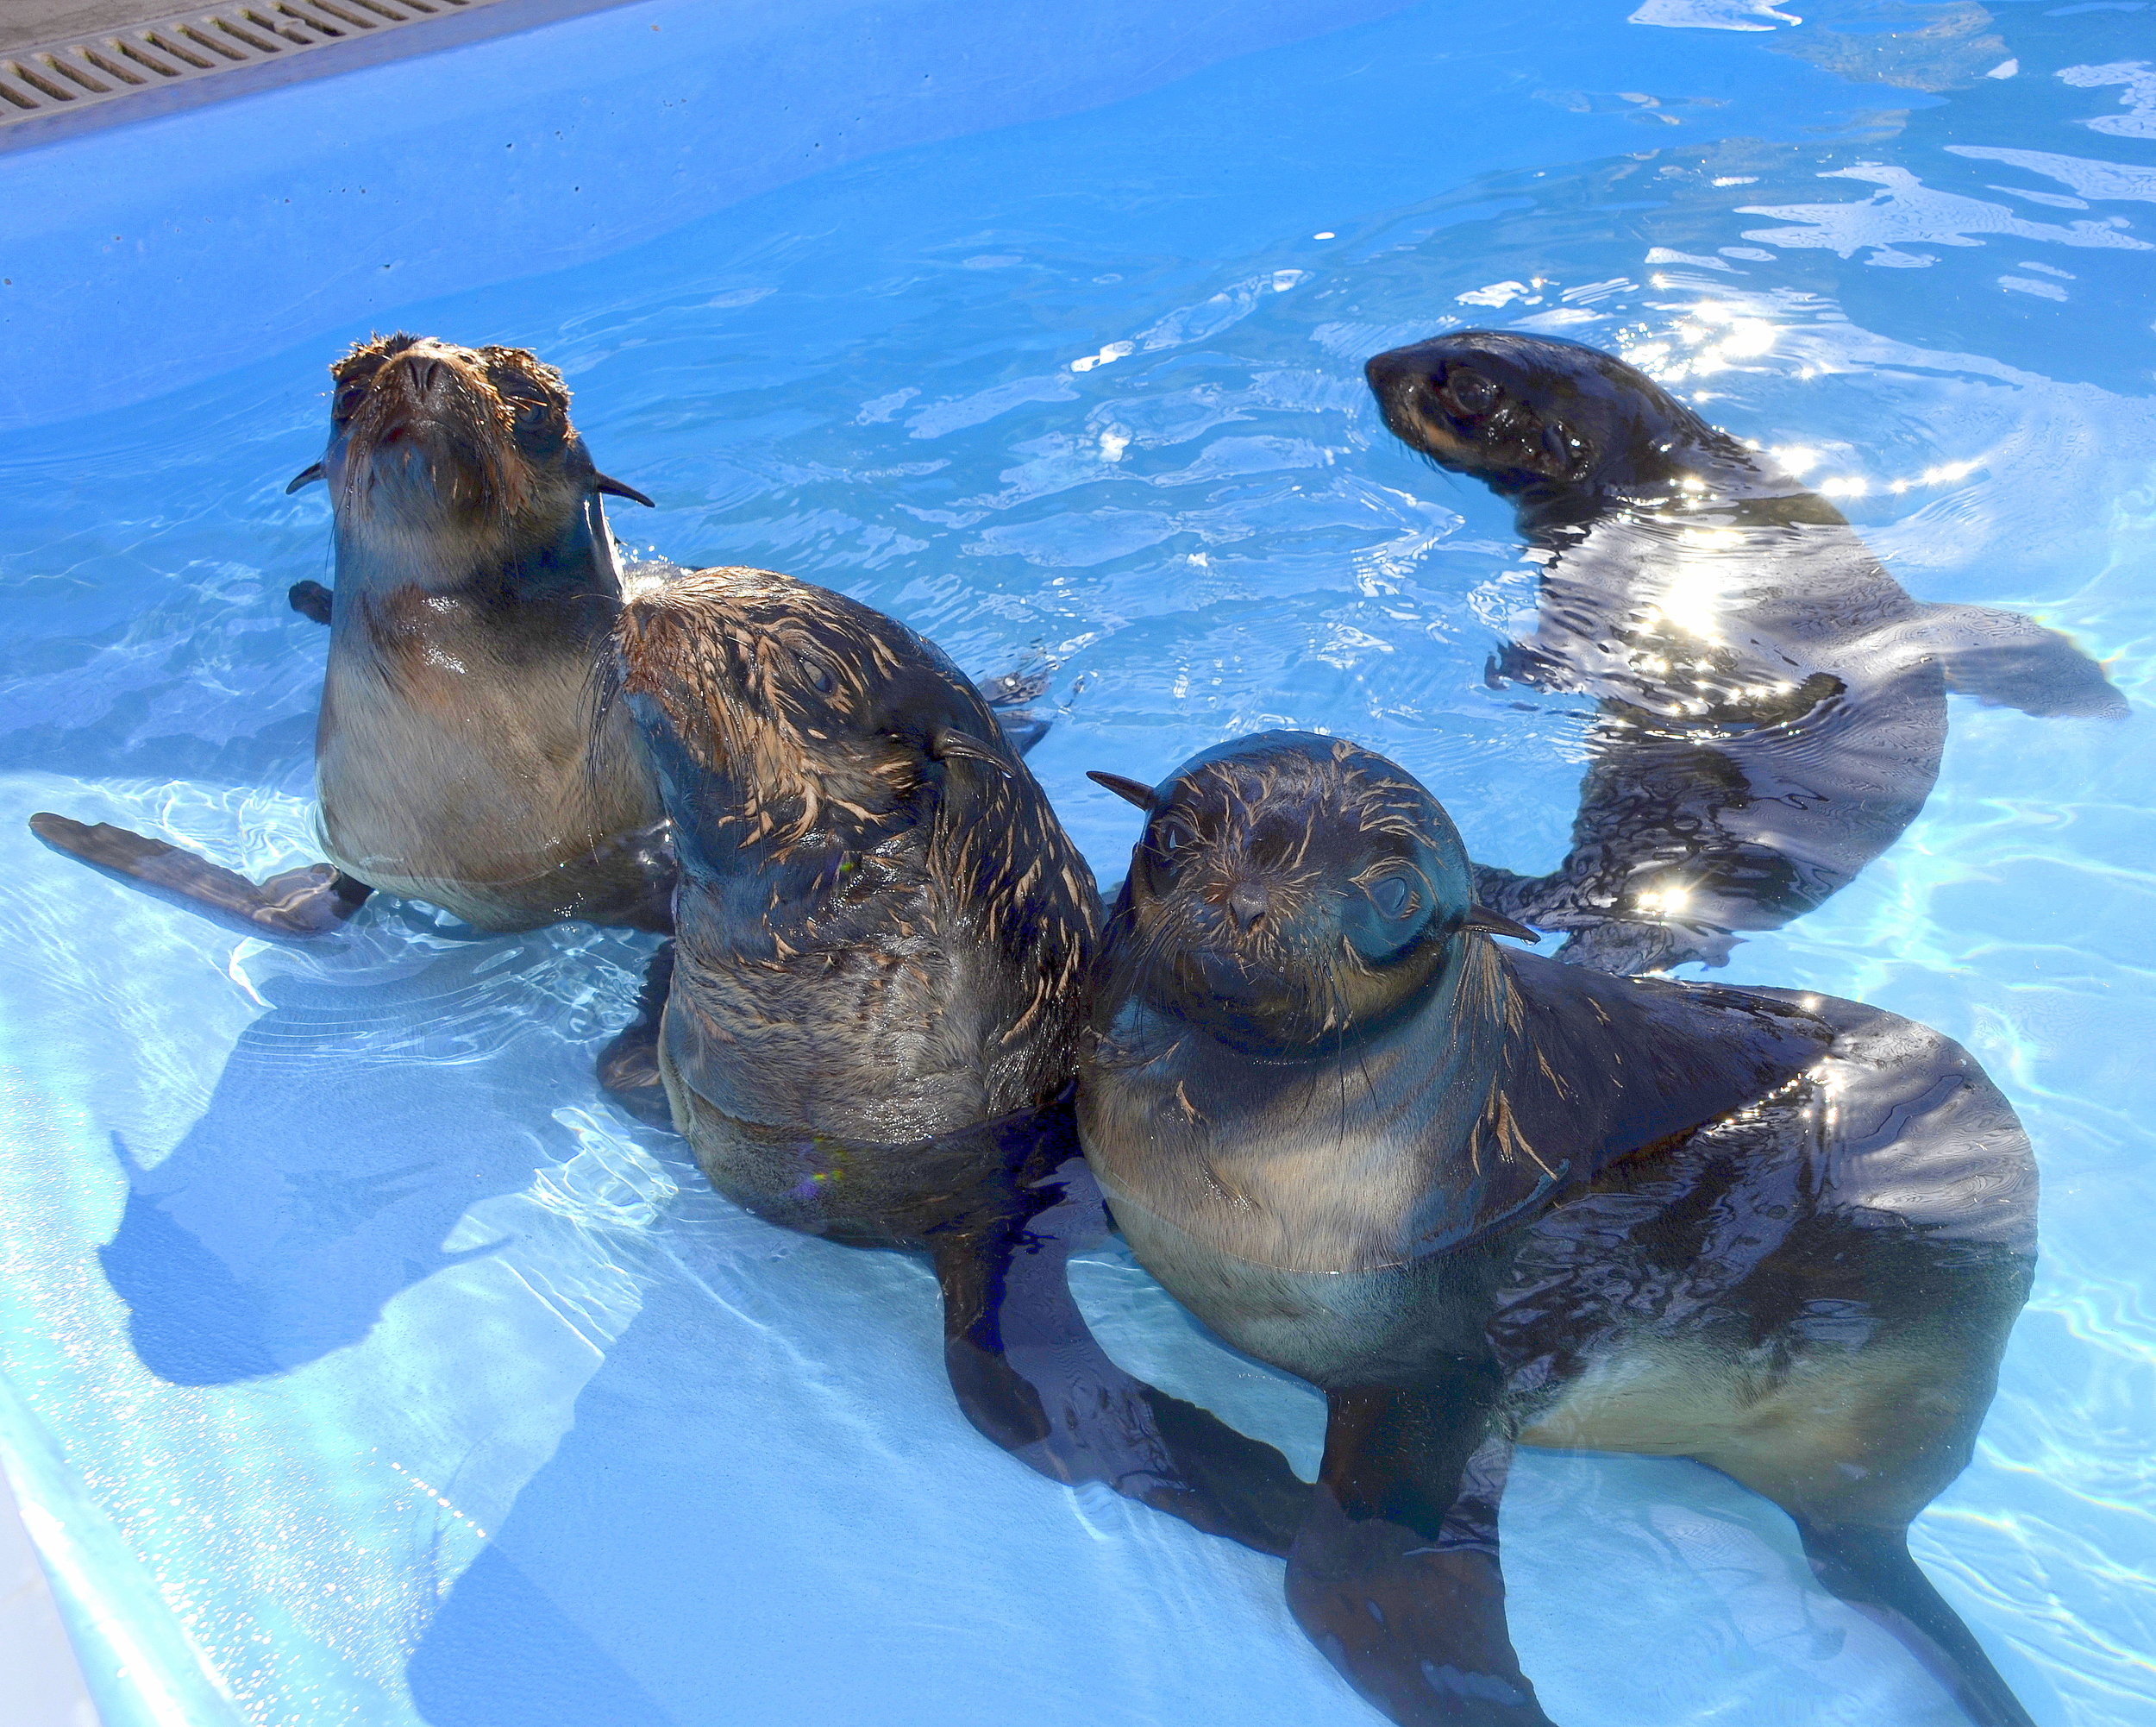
(347, 401)
(1168, 842)
(1392, 896)
(1471, 392)
(818, 675)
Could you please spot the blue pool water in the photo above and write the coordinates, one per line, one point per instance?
(359, 1364)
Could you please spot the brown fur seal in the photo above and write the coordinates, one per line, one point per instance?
(881, 934)
(1484, 1199)
(1771, 704)
(455, 757)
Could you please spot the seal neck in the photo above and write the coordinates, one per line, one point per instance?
(569, 558)
(1711, 484)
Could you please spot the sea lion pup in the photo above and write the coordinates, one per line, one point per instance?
(456, 756)
(871, 1029)
(1481, 1198)
(1772, 704)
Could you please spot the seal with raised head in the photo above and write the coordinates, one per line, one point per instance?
(1772, 703)
(455, 757)
(881, 934)
(1483, 1199)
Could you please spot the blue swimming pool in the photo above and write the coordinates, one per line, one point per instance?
(359, 1363)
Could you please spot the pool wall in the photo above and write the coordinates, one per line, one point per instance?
(141, 259)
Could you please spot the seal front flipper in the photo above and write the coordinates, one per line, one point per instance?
(629, 1066)
(1395, 1574)
(311, 600)
(1624, 948)
(1029, 1375)
(299, 905)
(1621, 1063)
(2010, 660)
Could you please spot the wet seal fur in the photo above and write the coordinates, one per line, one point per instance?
(881, 933)
(1481, 1198)
(455, 757)
(1772, 703)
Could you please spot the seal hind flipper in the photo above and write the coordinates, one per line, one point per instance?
(1007, 696)
(299, 905)
(629, 1066)
(1031, 1376)
(2007, 660)
(1023, 728)
(1870, 1568)
(1395, 1574)
(311, 600)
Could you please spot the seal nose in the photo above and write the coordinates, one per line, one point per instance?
(425, 373)
(1382, 371)
(1246, 904)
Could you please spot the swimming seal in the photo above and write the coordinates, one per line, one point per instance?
(456, 756)
(1772, 703)
(1482, 1199)
(871, 1026)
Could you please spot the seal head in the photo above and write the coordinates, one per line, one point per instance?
(446, 459)
(1292, 892)
(1539, 420)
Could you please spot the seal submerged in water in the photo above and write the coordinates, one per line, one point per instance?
(1482, 1199)
(456, 756)
(872, 1025)
(1772, 704)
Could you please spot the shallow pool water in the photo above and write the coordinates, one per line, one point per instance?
(362, 1365)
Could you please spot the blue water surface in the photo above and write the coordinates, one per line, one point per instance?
(362, 1365)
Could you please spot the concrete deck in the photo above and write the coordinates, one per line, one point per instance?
(48, 91)
(29, 23)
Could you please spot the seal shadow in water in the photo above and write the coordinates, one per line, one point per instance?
(769, 1510)
(352, 1127)
(627, 1528)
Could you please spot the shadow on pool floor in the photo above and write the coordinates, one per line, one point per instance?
(353, 1126)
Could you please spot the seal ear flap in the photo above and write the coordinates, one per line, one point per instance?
(1131, 791)
(1497, 923)
(949, 741)
(306, 476)
(614, 488)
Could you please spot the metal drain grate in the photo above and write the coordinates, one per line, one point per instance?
(65, 77)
